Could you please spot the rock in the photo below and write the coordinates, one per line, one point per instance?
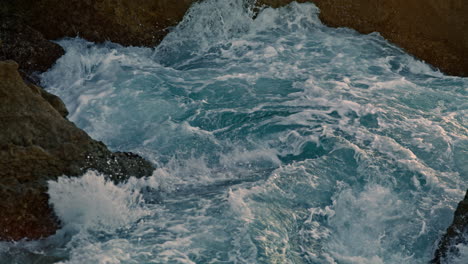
(26, 26)
(457, 233)
(128, 22)
(432, 30)
(53, 100)
(38, 144)
(28, 47)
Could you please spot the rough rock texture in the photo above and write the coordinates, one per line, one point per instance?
(433, 30)
(26, 26)
(456, 233)
(38, 144)
(28, 47)
(128, 22)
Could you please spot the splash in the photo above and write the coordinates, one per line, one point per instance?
(91, 202)
(277, 140)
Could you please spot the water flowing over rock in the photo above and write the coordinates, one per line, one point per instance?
(38, 144)
(434, 31)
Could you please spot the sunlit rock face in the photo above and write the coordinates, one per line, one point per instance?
(434, 31)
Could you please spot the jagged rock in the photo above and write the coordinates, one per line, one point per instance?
(28, 47)
(432, 30)
(457, 233)
(38, 144)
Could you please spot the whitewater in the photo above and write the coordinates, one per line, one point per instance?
(276, 139)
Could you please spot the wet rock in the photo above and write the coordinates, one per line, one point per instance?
(456, 234)
(28, 47)
(432, 30)
(38, 144)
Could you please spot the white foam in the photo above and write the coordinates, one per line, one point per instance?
(232, 122)
(91, 202)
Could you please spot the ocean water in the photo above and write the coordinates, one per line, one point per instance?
(276, 139)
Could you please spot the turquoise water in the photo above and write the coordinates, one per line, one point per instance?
(276, 140)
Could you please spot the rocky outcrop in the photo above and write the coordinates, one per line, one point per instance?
(128, 22)
(432, 30)
(26, 26)
(457, 233)
(38, 144)
(27, 46)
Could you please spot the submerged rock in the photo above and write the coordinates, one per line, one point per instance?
(38, 144)
(456, 234)
(432, 30)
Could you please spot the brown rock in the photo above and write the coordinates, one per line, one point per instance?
(26, 26)
(432, 30)
(38, 144)
(128, 22)
(27, 46)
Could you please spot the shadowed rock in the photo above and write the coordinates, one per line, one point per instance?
(128, 22)
(457, 233)
(28, 47)
(38, 144)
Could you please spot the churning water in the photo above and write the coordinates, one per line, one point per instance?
(276, 140)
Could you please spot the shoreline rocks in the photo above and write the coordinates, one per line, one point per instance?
(130, 23)
(38, 144)
(26, 46)
(431, 30)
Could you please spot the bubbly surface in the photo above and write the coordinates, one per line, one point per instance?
(277, 140)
